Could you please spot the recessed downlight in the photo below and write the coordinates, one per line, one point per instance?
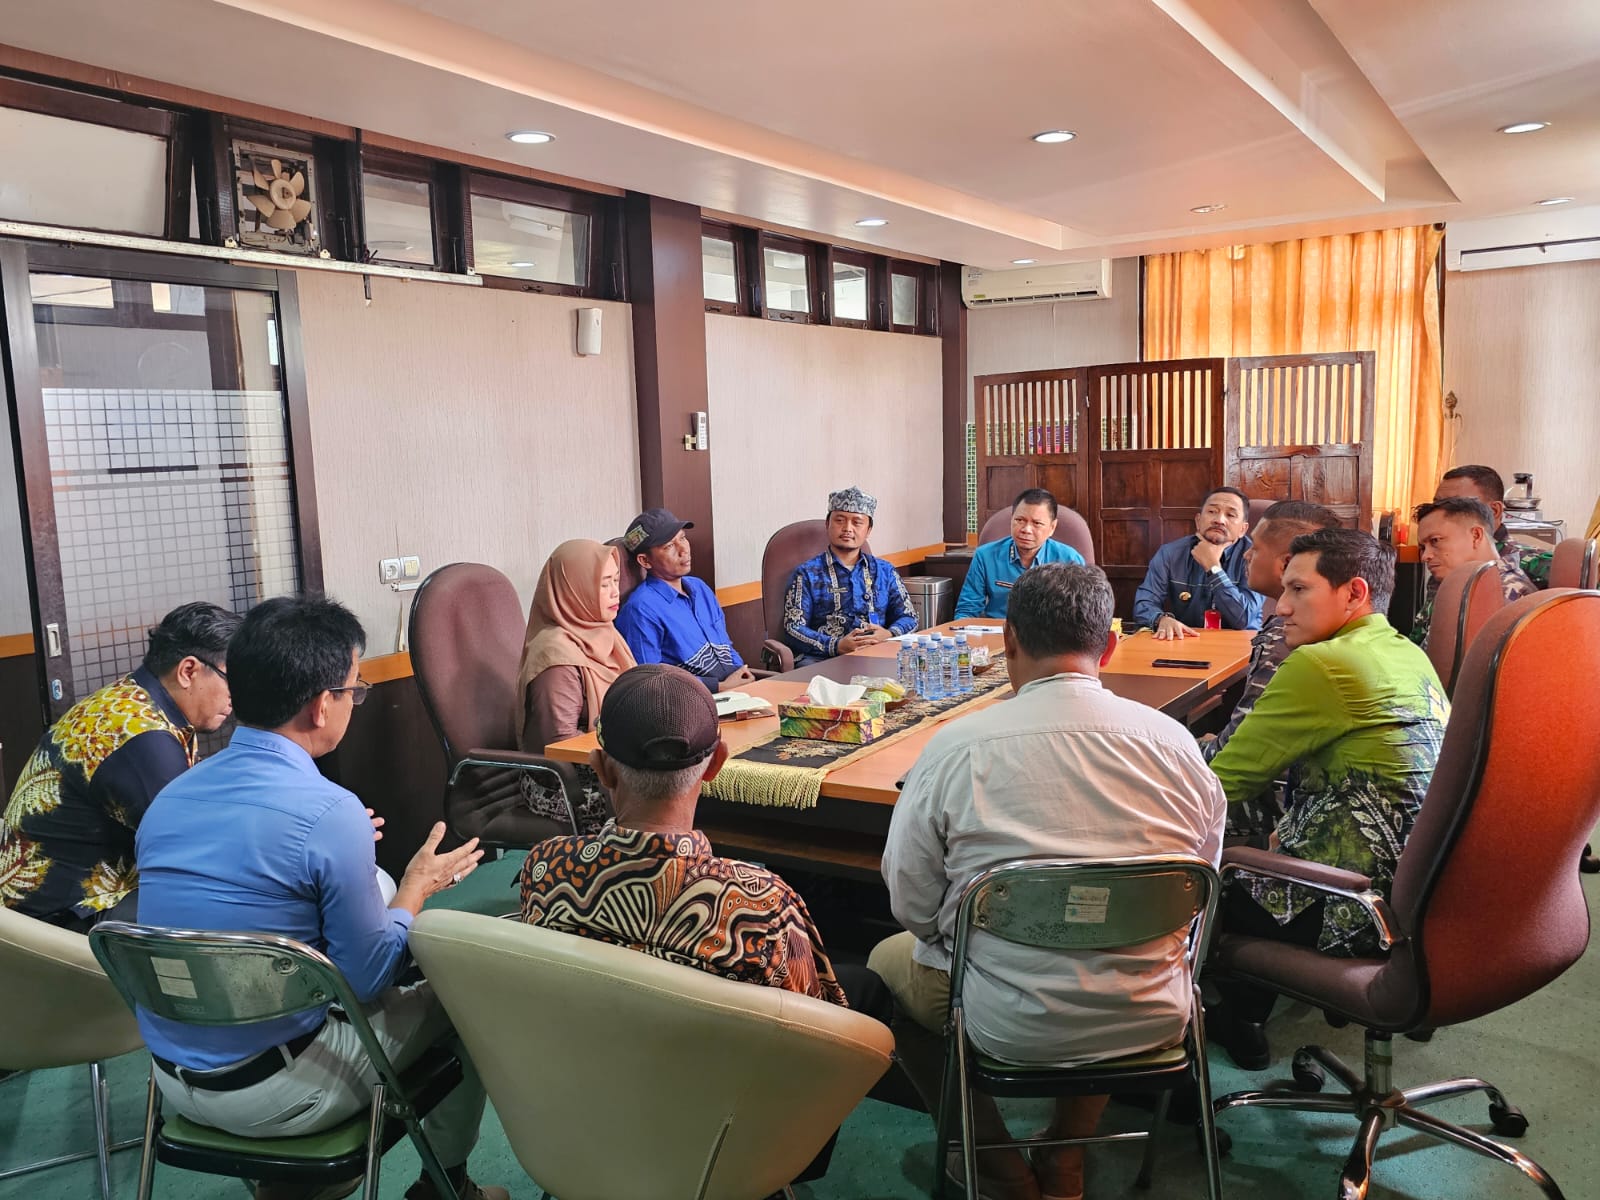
(1202, 209)
(1524, 127)
(1053, 137)
(519, 264)
(872, 222)
(1023, 262)
(530, 137)
(1555, 200)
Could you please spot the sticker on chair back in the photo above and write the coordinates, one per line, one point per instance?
(1087, 905)
(173, 978)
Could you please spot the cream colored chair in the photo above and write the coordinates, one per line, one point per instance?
(61, 1011)
(616, 1074)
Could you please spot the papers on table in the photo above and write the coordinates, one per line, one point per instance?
(972, 630)
(736, 704)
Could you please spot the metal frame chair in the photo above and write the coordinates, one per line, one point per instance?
(1031, 902)
(62, 1012)
(221, 979)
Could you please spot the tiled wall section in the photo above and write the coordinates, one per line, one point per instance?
(163, 497)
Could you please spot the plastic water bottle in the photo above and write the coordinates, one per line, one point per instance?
(963, 664)
(951, 682)
(924, 674)
(906, 666)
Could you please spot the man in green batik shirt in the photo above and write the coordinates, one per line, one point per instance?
(1356, 716)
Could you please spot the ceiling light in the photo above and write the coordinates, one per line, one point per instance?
(1023, 262)
(519, 264)
(1524, 127)
(1051, 137)
(872, 222)
(1202, 209)
(530, 137)
(1555, 200)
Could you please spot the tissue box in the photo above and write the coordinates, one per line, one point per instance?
(856, 723)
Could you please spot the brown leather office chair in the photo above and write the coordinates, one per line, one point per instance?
(632, 574)
(1258, 509)
(1466, 599)
(785, 551)
(1071, 529)
(467, 629)
(1575, 564)
(1485, 907)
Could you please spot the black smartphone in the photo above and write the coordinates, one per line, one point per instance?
(1182, 664)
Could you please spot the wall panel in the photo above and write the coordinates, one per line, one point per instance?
(799, 410)
(1522, 354)
(460, 423)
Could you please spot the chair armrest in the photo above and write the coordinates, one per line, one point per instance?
(1331, 881)
(760, 674)
(774, 652)
(509, 760)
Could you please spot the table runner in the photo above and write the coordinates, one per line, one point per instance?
(785, 772)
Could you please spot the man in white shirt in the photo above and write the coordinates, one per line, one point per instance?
(1062, 768)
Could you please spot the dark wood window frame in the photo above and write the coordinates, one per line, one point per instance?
(740, 305)
(925, 301)
(807, 250)
(409, 167)
(857, 258)
(604, 274)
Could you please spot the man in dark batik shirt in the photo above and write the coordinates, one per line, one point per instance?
(1252, 820)
(66, 843)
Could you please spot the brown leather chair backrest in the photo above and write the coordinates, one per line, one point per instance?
(1487, 886)
(1466, 599)
(1575, 564)
(1258, 509)
(632, 574)
(467, 629)
(785, 551)
(1071, 529)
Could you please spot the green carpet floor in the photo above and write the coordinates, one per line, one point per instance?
(1544, 1053)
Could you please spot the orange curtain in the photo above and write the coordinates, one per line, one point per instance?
(1366, 291)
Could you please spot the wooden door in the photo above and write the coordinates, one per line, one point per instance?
(1299, 427)
(1030, 433)
(1156, 453)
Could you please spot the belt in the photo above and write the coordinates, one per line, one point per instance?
(246, 1074)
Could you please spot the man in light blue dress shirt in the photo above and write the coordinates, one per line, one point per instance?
(256, 838)
(997, 566)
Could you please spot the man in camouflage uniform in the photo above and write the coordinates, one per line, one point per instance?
(1478, 482)
(1251, 821)
(66, 842)
(1455, 532)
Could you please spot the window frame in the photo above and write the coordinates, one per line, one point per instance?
(921, 322)
(605, 227)
(740, 305)
(409, 168)
(809, 252)
(859, 258)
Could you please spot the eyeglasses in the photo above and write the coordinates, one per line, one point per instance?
(207, 662)
(358, 692)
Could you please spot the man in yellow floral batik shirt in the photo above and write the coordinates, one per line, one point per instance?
(66, 841)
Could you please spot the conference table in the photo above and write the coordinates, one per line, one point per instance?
(843, 833)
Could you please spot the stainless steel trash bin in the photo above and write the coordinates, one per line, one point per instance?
(933, 598)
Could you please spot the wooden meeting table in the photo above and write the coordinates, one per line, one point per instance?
(844, 833)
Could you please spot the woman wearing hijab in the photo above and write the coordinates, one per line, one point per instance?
(572, 654)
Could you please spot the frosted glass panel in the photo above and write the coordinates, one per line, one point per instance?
(61, 172)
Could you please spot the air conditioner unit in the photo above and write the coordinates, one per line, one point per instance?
(1523, 240)
(1037, 285)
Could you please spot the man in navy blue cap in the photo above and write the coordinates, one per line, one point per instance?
(672, 617)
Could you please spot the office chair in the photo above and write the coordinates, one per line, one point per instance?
(1467, 597)
(1071, 529)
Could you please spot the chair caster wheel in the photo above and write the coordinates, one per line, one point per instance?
(1224, 1140)
(1308, 1073)
(1424, 1034)
(1507, 1120)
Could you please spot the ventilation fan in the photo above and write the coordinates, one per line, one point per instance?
(279, 197)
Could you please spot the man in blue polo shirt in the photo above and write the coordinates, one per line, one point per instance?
(998, 565)
(672, 617)
(1204, 572)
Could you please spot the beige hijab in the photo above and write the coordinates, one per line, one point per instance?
(568, 628)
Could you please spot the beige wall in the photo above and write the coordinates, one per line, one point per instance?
(459, 423)
(1522, 354)
(800, 410)
(1071, 333)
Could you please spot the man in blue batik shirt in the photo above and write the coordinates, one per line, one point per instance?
(256, 838)
(672, 617)
(997, 566)
(1202, 572)
(844, 600)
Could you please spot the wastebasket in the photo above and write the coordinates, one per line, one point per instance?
(932, 597)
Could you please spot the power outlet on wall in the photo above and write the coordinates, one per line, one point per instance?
(389, 570)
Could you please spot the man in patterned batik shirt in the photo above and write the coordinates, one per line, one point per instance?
(1455, 532)
(844, 599)
(1252, 820)
(66, 844)
(649, 880)
(1356, 714)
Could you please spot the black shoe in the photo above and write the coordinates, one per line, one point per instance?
(1245, 1041)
